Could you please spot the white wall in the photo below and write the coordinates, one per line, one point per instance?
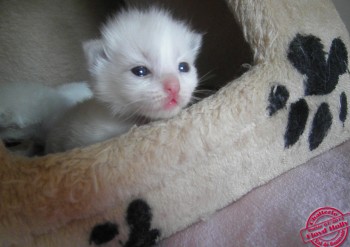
(343, 7)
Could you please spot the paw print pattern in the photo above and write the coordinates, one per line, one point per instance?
(103, 233)
(343, 107)
(321, 72)
(298, 114)
(278, 98)
(138, 217)
(307, 56)
(321, 123)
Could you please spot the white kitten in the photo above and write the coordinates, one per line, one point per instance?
(142, 68)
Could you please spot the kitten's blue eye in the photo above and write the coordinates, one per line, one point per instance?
(184, 67)
(140, 71)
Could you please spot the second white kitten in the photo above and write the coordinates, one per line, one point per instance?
(142, 69)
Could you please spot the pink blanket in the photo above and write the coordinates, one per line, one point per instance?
(274, 214)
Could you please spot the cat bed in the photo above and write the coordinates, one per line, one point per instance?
(159, 178)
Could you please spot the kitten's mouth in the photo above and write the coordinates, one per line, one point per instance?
(167, 108)
(170, 104)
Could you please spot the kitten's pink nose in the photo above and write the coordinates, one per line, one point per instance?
(171, 86)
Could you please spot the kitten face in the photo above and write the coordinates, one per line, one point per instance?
(144, 64)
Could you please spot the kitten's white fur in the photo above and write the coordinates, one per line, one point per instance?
(149, 38)
(25, 106)
(28, 109)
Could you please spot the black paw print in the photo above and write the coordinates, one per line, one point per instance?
(138, 217)
(306, 54)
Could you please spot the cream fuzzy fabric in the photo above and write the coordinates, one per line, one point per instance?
(185, 168)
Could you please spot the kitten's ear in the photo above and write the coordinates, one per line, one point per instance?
(94, 51)
(196, 42)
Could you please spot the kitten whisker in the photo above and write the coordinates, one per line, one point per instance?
(200, 94)
(194, 100)
(206, 76)
(126, 115)
(204, 91)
